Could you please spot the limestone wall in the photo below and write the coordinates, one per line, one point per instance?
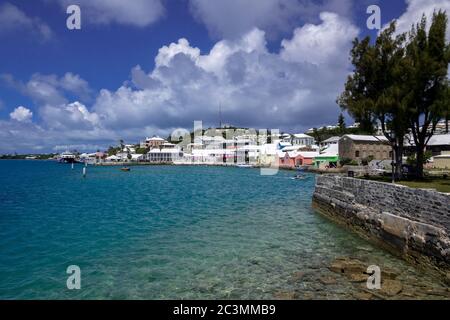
(413, 223)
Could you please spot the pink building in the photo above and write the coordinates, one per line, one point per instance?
(292, 159)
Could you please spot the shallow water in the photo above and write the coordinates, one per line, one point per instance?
(166, 232)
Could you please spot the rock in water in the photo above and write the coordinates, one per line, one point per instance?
(391, 287)
(327, 280)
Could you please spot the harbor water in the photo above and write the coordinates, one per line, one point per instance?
(176, 232)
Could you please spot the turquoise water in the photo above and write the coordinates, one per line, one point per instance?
(166, 232)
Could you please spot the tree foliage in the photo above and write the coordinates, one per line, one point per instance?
(400, 82)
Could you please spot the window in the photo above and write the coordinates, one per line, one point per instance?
(357, 154)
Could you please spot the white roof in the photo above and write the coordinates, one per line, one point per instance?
(136, 156)
(302, 135)
(368, 138)
(439, 140)
(113, 157)
(304, 154)
(331, 150)
(332, 139)
(155, 139)
(308, 154)
(164, 150)
(443, 156)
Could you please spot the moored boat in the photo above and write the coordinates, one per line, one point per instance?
(67, 157)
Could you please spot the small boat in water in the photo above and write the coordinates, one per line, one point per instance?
(125, 169)
(299, 177)
(244, 166)
(67, 157)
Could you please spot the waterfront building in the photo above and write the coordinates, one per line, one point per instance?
(360, 147)
(301, 139)
(330, 141)
(113, 158)
(154, 142)
(292, 159)
(164, 155)
(329, 157)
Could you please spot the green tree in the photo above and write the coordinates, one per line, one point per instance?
(356, 98)
(446, 106)
(373, 93)
(318, 136)
(425, 68)
(341, 123)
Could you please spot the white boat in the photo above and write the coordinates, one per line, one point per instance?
(244, 166)
(67, 157)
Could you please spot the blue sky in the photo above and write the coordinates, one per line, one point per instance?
(125, 74)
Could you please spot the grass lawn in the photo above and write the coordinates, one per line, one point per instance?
(440, 184)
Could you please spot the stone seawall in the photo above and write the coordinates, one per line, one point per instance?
(412, 223)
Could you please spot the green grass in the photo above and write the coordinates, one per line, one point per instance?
(442, 185)
(439, 184)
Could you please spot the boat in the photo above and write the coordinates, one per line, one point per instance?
(299, 177)
(244, 166)
(67, 157)
(125, 169)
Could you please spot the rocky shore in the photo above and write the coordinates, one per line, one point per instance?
(395, 285)
(411, 223)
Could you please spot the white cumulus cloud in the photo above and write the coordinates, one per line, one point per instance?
(21, 114)
(318, 44)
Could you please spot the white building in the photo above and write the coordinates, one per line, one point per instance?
(164, 155)
(330, 141)
(302, 139)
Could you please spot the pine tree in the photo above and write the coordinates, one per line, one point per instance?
(341, 123)
(373, 93)
(425, 68)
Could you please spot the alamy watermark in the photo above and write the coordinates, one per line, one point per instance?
(374, 20)
(374, 280)
(74, 280)
(73, 22)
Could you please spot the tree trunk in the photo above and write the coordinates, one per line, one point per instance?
(420, 156)
(399, 160)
